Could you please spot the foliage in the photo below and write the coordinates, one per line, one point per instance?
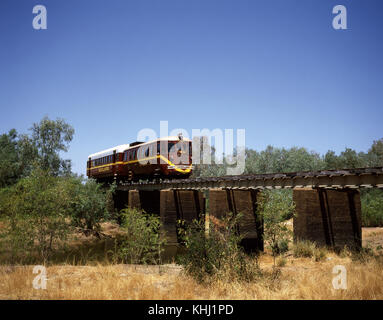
(304, 249)
(20, 154)
(274, 207)
(88, 205)
(273, 160)
(217, 255)
(372, 208)
(51, 137)
(35, 214)
(141, 241)
(308, 249)
(9, 160)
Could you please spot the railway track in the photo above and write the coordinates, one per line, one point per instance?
(331, 179)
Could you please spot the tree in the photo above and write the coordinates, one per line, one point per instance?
(375, 154)
(88, 204)
(349, 159)
(36, 211)
(141, 241)
(274, 207)
(50, 137)
(331, 161)
(9, 159)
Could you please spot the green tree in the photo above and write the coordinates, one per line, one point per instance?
(35, 210)
(274, 207)
(331, 161)
(9, 159)
(50, 137)
(88, 204)
(375, 154)
(349, 159)
(142, 241)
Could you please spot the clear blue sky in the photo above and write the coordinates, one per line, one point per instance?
(276, 68)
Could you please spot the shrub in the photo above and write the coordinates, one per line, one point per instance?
(372, 208)
(141, 241)
(88, 205)
(308, 249)
(281, 262)
(217, 255)
(320, 254)
(34, 211)
(304, 249)
(274, 207)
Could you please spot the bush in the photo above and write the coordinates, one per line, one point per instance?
(88, 205)
(372, 208)
(274, 207)
(217, 255)
(141, 241)
(308, 249)
(34, 211)
(303, 249)
(281, 262)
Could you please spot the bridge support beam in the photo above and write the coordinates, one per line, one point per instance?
(222, 202)
(177, 205)
(327, 217)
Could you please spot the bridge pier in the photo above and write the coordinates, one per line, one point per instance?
(222, 202)
(327, 217)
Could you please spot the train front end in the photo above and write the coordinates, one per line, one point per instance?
(176, 157)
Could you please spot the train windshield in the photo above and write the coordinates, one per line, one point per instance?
(184, 146)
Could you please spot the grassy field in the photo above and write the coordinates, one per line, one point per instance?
(299, 278)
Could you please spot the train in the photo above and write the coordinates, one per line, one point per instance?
(163, 158)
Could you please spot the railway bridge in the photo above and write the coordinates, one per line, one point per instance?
(328, 208)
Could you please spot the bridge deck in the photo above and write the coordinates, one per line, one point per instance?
(333, 179)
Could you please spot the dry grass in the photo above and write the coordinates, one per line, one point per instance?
(301, 278)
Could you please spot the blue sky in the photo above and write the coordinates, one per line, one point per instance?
(276, 68)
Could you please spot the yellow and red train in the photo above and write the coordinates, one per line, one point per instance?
(165, 158)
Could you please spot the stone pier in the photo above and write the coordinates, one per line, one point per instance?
(222, 202)
(327, 217)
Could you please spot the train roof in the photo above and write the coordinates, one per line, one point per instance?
(123, 147)
(109, 151)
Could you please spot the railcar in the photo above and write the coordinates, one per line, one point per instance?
(164, 158)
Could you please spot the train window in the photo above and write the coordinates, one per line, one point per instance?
(158, 148)
(147, 152)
